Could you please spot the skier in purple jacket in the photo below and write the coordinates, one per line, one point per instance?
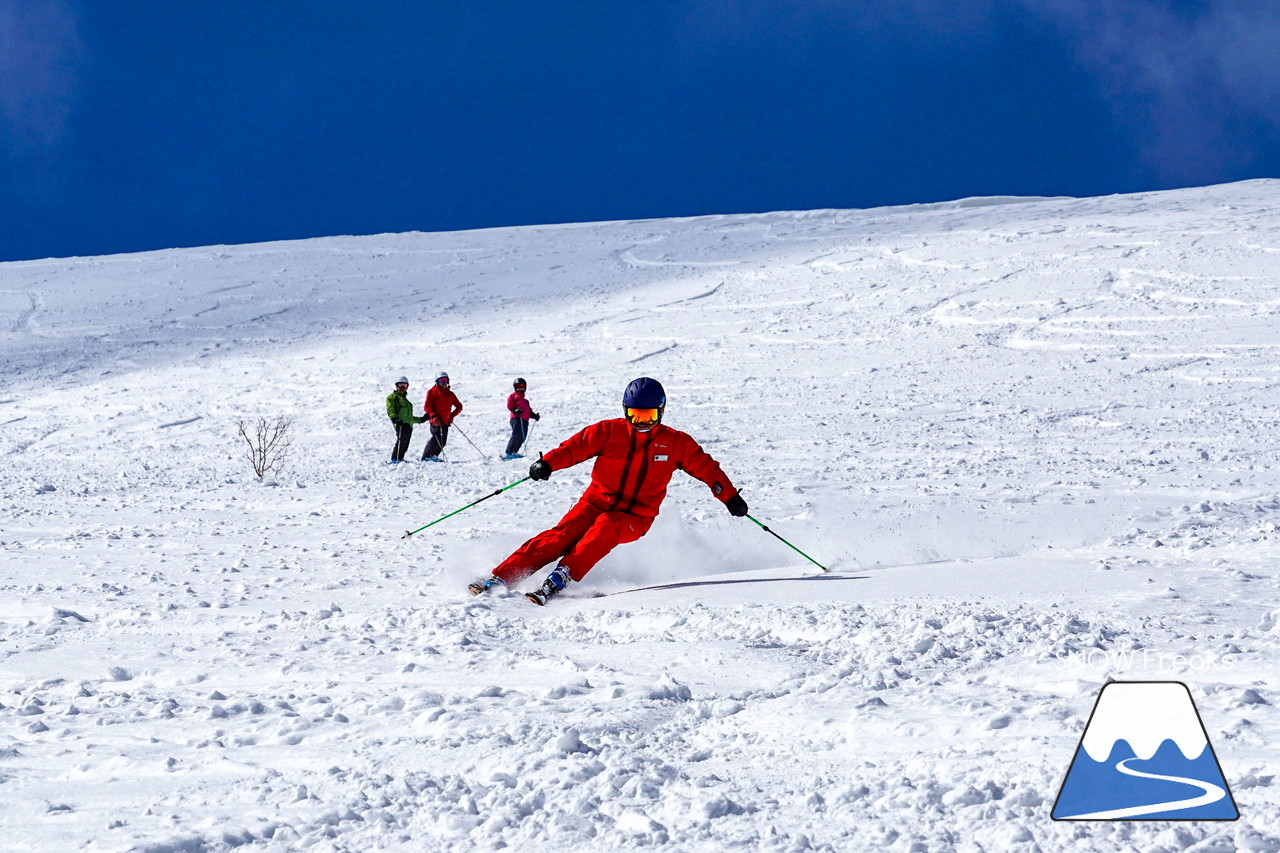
(521, 412)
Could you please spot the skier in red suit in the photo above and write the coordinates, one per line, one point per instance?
(635, 458)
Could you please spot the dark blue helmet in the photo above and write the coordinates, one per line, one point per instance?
(646, 395)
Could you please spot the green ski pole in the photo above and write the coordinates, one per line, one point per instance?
(788, 544)
(409, 533)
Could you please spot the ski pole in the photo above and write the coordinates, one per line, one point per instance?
(788, 544)
(472, 443)
(409, 533)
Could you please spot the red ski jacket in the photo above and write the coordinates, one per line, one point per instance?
(633, 468)
(442, 405)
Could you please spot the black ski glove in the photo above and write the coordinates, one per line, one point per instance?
(535, 416)
(736, 505)
(539, 470)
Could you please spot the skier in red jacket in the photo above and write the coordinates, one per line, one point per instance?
(635, 458)
(441, 407)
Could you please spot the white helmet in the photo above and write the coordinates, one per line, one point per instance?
(403, 380)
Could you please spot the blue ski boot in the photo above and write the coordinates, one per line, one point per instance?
(490, 584)
(555, 582)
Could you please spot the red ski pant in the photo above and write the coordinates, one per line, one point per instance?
(580, 540)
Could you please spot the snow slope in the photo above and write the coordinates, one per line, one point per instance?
(1035, 440)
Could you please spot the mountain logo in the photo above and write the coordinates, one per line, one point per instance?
(1145, 755)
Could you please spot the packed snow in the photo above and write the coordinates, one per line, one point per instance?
(1034, 440)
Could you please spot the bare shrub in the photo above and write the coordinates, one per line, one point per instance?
(269, 441)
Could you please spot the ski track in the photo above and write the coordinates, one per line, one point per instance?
(1040, 435)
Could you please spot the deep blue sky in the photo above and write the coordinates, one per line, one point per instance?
(138, 125)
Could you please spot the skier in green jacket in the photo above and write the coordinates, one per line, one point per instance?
(400, 410)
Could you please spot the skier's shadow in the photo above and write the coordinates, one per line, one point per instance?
(727, 581)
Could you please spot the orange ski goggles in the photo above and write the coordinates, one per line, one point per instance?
(641, 417)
